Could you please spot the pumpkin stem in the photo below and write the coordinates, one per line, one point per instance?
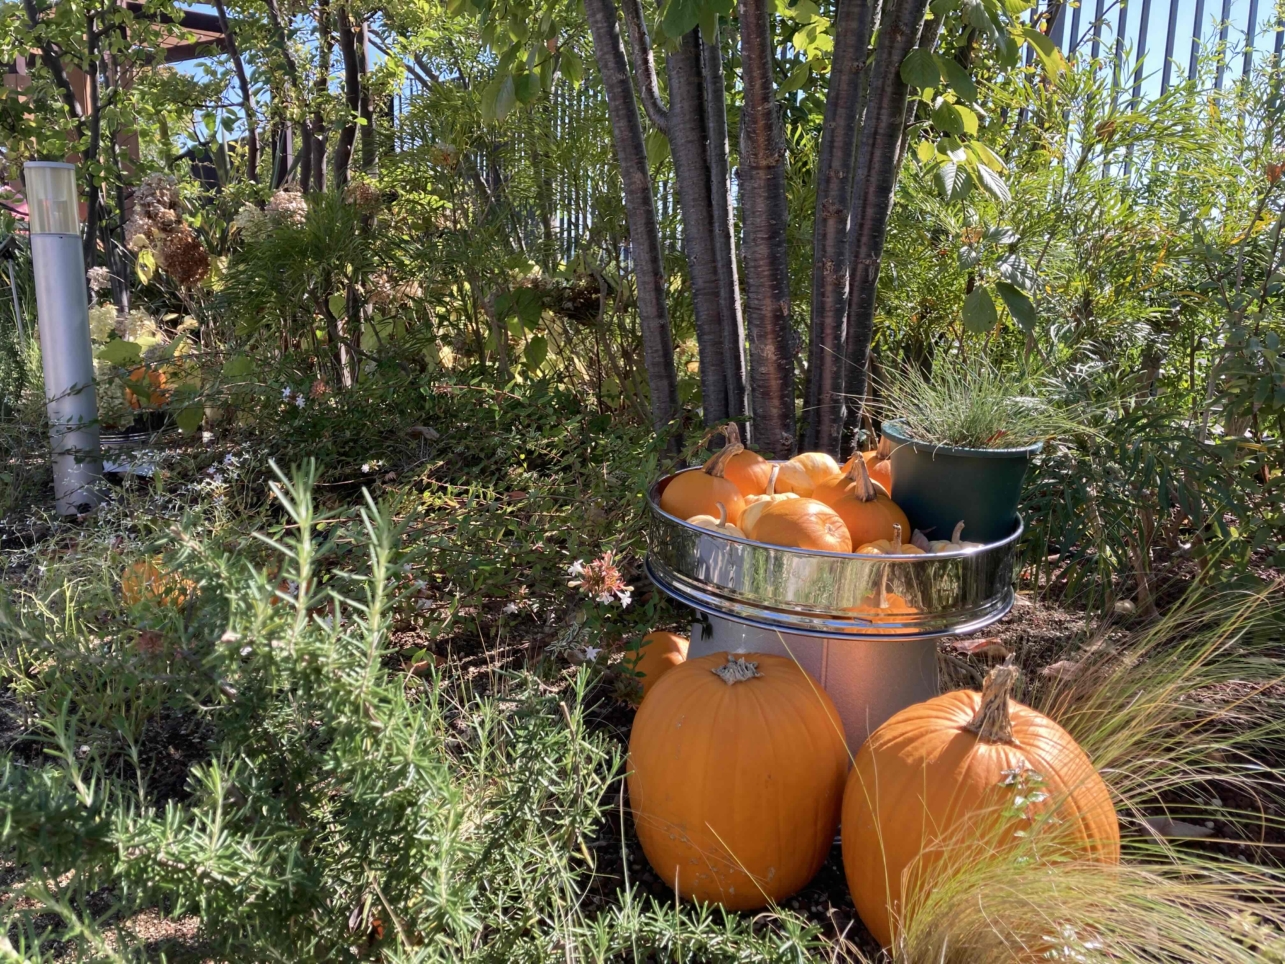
(992, 723)
(771, 480)
(920, 541)
(718, 464)
(722, 515)
(959, 531)
(896, 538)
(884, 448)
(859, 476)
(736, 670)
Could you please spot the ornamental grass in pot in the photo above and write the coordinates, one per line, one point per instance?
(961, 442)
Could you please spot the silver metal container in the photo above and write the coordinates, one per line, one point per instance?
(864, 625)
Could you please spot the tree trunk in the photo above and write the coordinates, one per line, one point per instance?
(729, 288)
(823, 394)
(352, 98)
(879, 155)
(765, 216)
(688, 147)
(319, 91)
(365, 98)
(640, 209)
(645, 65)
(247, 98)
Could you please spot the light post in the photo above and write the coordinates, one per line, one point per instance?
(62, 312)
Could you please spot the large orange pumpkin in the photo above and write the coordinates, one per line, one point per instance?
(959, 776)
(699, 493)
(658, 653)
(878, 465)
(802, 524)
(755, 504)
(736, 778)
(860, 504)
(746, 470)
(793, 478)
(817, 465)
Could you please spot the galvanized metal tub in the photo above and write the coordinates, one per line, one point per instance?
(865, 626)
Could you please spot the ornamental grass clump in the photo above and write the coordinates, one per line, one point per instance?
(975, 404)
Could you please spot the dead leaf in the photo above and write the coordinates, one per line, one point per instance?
(985, 646)
(424, 432)
(421, 667)
(1176, 829)
(150, 642)
(1063, 669)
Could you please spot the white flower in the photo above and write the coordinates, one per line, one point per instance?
(300, 400)
(626, 597)
(99, 278)
(286, 393)
(365, 467)
(228, 459)
(576, 568)
(211, 470)
(510, 609)
(591, 653)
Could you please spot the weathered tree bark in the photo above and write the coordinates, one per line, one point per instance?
(823, 395)
(366, 97)
(352, 97)
(645, 65)
(320, 88)
(879, 155)
(640, 209)
(689, 149)
(729, 288)
(765, 216)
(247, 97)
(548, 246)
(89, 160)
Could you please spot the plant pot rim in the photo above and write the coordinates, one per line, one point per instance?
(896, 431)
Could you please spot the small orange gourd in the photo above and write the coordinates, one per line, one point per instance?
(803, 524)
(746, 470)
(755, 504)
(817, 465)
(737, 768)
(963, 775)
(860, 503)
(144, 580)
(658, 653)
(891, 547)
(149, 382)
(699, 492)
(955, 543)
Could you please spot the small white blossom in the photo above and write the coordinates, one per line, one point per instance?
(576, 569)
(510, 609)
(300, 400)
(99, 278)
(591, 653)
(286, 393)
(228, 459)
(365, 467)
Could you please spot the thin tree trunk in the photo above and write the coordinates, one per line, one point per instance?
(320, 88)
(687, 141)
(93, 194)
(544, 184)
(645, 65)
(247, 97)
(879, 155)
(823, 394)
(729, 288)
(352, 98)
(765, 216)
(365, 97)
(640, 209)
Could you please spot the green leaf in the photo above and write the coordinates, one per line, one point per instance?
(145, 265)
(993, 184)
(1019, 305)
(338, 305)
(526, 88)
(957, 77)
(189, 419)
(968, 118)
(953, 180)
(1049, 55)
(120, 352)
(799, 75)
(925, 150)
(1014, 269)
(979, 311)
(572, 67)
(537, 350)
(947, 120)
(237, 367)
(805, 11)
(679, 17)
(505, 98)
(657, 145)
(988, 157)
(919, 69)
(528, 305)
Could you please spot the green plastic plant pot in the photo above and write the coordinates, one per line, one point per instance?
(938, 486)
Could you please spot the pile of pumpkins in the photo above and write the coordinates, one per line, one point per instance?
(809, 502)
(739, 777)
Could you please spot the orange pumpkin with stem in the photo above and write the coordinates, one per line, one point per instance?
(700, 492)
(891, 547)
(817, 465)
(746, 470)
(793, 478)
(858, 501)
(755, 504)
(803, 524)
(719, 525)
(736, 777)
(658, 653)
(958, 777)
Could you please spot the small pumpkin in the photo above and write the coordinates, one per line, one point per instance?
(755, 504)
(657, 654)
(965, 774)
(860, 503)
(737, 767)
(817, 465)
(719, 525)
(793, 478)
(746, 470)
(891, 547)
(802, 524)
(954, 543)
(700, 492)
(149, 382)
(144, 580)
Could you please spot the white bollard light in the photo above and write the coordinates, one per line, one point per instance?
(62, 311)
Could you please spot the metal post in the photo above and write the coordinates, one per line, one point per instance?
(17, 308)
(1250, 36)
(62, 313)
(1170, 33)
(1224, 22)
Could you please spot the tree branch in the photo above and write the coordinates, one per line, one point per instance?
(645, 65)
